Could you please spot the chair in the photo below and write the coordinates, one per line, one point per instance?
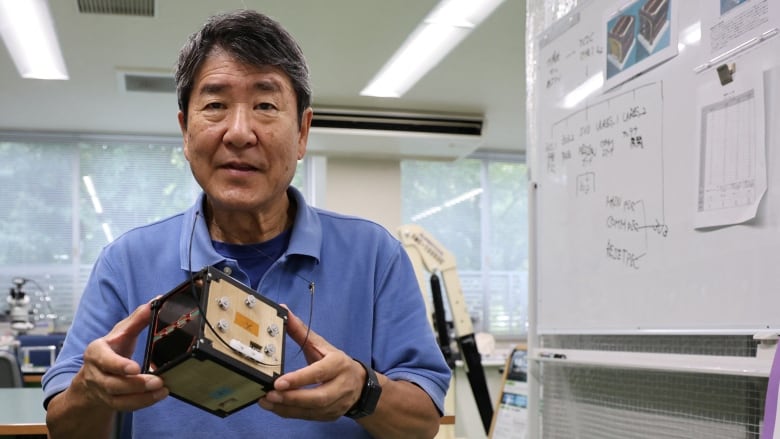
(38, 352)
(10, 372)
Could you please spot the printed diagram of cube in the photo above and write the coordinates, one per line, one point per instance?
(621, 37)
(652, 18)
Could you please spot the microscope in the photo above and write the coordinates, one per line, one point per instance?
(19, 307)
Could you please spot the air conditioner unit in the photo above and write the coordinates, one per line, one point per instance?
(394, 134)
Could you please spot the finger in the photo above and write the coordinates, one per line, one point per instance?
(128, 393)
(119, 385)
(318, 372)
(104, 377)
(316, 403)
(133, 324)
(101, 357)
(315, 347)
(296, 329)
(323, 391)
(137, 401)
(111, 353)
(123, 336)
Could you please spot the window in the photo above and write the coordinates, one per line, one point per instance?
(63, 201)
(478, 209)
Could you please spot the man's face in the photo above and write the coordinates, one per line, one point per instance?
(242, 137)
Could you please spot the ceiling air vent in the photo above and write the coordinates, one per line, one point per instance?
(138, 8)
(394, 121)
(145, 81)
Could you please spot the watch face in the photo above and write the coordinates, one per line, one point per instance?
(369, 397)
(373, 390)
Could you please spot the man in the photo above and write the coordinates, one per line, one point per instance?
(244, 101)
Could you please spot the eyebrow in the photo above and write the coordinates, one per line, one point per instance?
(268, 85)
(212, 88)
(262, 85)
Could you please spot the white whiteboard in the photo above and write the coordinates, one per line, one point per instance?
(617, 188)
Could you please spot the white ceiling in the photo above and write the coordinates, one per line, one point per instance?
(345, 41)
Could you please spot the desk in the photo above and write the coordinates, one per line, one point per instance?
(21, 412)
(32, 375)
(32, 379)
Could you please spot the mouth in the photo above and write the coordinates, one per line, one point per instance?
(239, 166)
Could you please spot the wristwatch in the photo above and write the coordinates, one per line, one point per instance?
(369, 397)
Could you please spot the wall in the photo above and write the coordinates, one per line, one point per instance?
(370, 188)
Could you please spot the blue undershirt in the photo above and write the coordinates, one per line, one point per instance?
(255, 259)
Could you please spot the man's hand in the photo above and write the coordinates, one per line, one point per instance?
(111, 377)
(325, 389)
(108, 381)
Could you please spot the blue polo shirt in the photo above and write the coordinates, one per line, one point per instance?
(367, 303)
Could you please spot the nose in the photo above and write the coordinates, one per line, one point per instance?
(240, 130)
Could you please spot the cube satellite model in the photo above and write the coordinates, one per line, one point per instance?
(216, 343)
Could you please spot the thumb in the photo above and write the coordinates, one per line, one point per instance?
(123, 336)
(313, 345)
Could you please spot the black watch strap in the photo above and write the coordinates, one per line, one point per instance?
(369, 396)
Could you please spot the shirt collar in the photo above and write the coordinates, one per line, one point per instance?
(196, 250)
(306, 236)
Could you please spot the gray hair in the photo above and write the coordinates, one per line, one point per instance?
(251, 38)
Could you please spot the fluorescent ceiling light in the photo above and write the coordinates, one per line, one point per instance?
(28, 32)
(92, 194)
(689, 36)
(449, 203)
(107, 232)
(444, 27)
(587, 88)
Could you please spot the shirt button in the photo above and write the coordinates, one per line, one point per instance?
(228, 270)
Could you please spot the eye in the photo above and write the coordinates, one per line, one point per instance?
(214, 106)
(266, 106)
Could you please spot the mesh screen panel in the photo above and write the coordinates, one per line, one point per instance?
(605, 402)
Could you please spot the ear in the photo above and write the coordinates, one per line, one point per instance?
(303, 134)
(185, 138)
